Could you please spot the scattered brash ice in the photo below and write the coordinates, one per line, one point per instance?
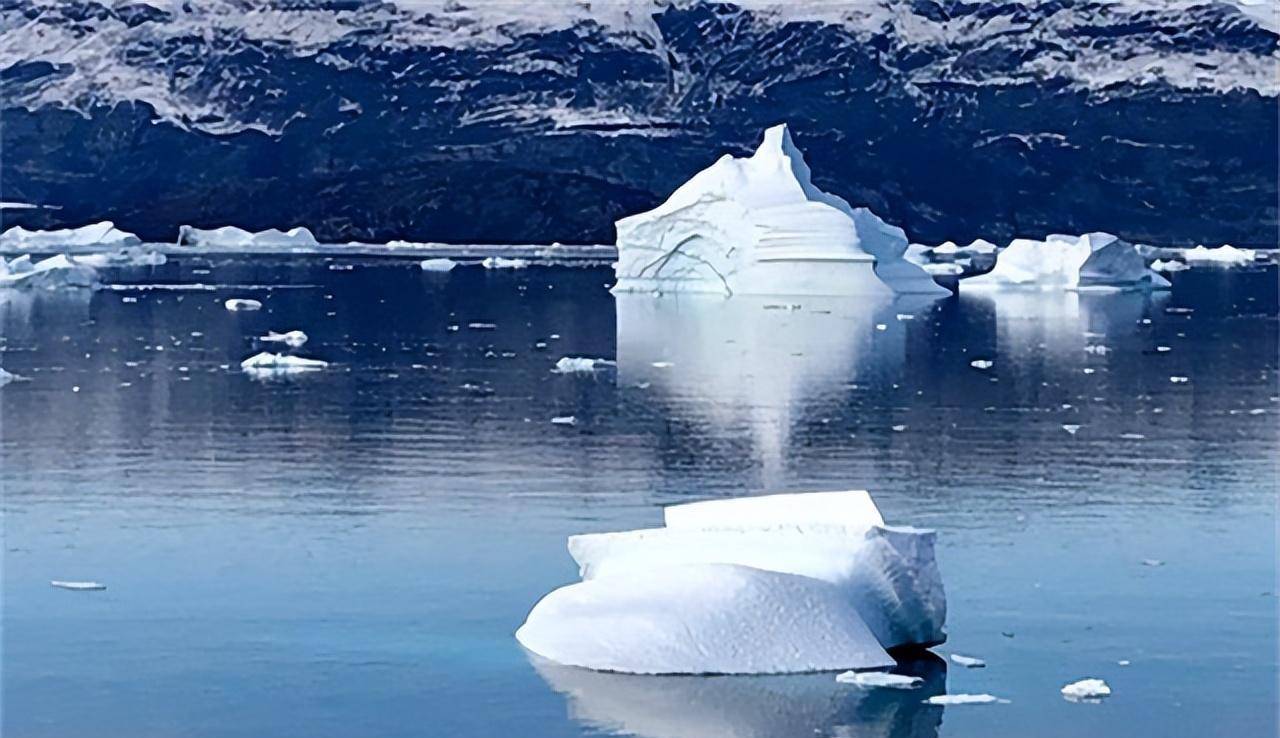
(758, 226)
(1086, 689)
(772, 584)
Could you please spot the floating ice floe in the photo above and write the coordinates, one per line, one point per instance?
(774, 584)
(269, 363)
(879, 679)
(963, 699)
(55, 272)
(1086, 689)
(498, 262)
(1094, 260)
(97, 234)
(1225, 255)
(564, 420)
(757, 225)
(437, 265)
(7, 377)
(982, 364)
(1168, 266)
(969, 662)
(292, 339)
(129, 256)
(233, 237)
(78, 586)
(580, 365)
(237, 304)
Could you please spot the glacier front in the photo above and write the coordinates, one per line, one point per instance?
(758, 226)
(773, 584)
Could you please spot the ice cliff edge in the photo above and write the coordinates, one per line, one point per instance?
(758, 225)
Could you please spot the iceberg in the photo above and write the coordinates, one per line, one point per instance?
(1086, 690)
(580, 365)
(757, 225)
(105, 233)
(437, 265)
(270, 363)
(231, 236)
(54, 272)
(1169, 266)
(1225, 255)
(775, 584)
(1094, 260)
(131, 256)
(292, 339)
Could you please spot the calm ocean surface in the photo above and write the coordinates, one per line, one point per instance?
(348, 552)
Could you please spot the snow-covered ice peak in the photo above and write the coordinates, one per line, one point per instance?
(773, 584)
(758, 225)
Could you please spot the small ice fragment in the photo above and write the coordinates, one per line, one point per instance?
(1070, 428)
(481, 326)
(1088, 370)
(236, 304)
(1168, 266)
(439, 265)
(969, 662)
(982, 363)
(1258, 411)
(498, 262)
(881, 327)
(580, 365)
(293, 339)
(906, 316)
(1123, 662)
(662, 365)
(341, 267)
(1178, 311)
(879, 679)
(79, 586)
(7, 377)
(899, 428)
(564, 420)
(1086, 689)
(1163, 349)
(1132, 436)
(963, 699)
(1179, 380)
(1098, 349)
(1152, 562)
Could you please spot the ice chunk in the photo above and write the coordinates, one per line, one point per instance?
(498, 262)
(942, 268)
(1086, 689)
(982, 364)
(1069, 263)
(78, 586)
(438, 265)
(969, 662)
(236, 304)
(97, 234)
(267, 362)
(963, 699)
(293, 339)
(853, 510)
(1225, 255)
(54, 272)
(232, 237)
(7, 377)
(702, 619)
(879, 679)
(758, 225)
(580, 365)
(1168, 266)
(564, 420)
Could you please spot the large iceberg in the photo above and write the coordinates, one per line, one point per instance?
(105, 233)
(233, 237)
(774, 584)
(1094, 260)
(758, 225)
(52, 273)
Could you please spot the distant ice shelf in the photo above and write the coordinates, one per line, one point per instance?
(773, 584)
(758, 226)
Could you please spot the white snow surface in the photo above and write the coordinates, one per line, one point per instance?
(105, 233)
(758, 226)
(233, 237)
(1093, 260)
(1225, 254)
(773, 584)
(55, 272)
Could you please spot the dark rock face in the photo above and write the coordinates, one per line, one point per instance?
(370, 121)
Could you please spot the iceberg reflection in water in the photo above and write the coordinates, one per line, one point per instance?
(752, 363)
(792, 706)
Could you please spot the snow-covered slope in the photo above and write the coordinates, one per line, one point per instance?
(494, 121)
